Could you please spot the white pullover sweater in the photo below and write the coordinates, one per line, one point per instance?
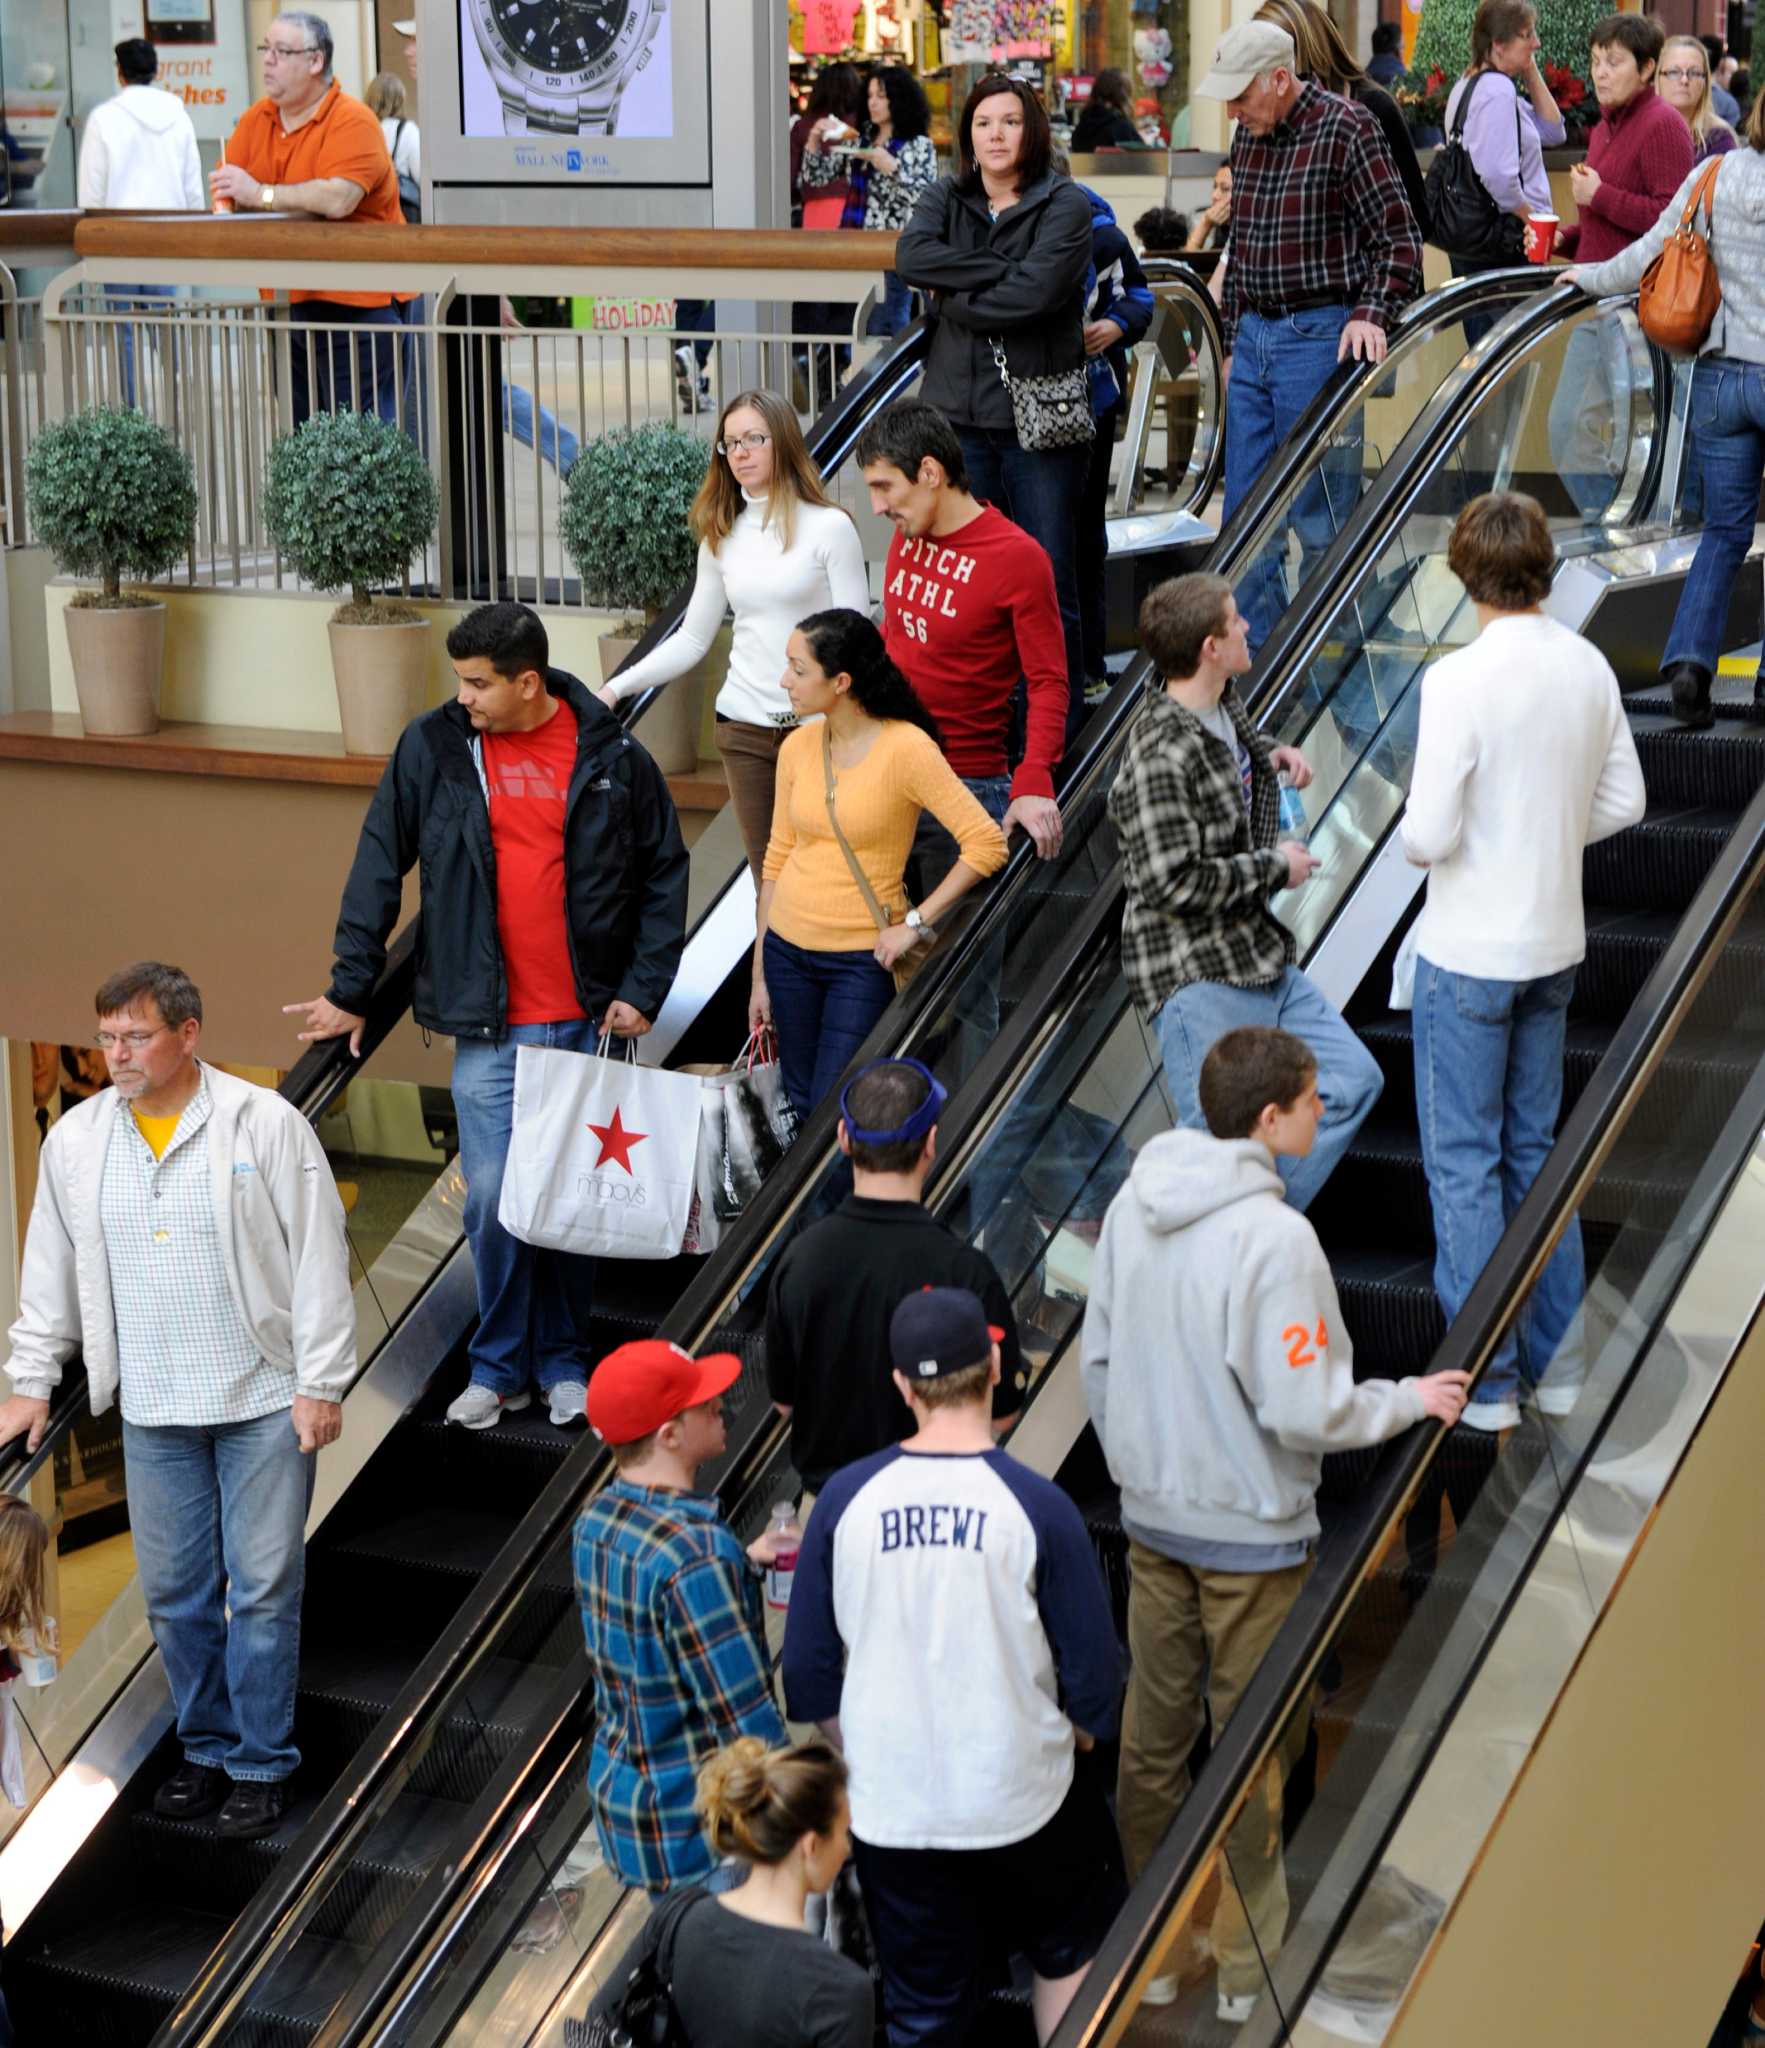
(1523, 759)
(769, 588)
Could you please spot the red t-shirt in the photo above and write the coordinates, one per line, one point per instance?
(529, 778)
(964, 614)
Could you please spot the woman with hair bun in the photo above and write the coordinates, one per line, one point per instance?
(823, 953)
(744, 1973)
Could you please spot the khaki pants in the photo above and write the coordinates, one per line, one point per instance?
(750, 763)
(1197, 1635)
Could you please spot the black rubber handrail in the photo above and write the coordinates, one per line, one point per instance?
(20, 1465)
(1586, 1139)
(302, 1874)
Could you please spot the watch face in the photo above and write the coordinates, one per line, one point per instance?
(562, 45)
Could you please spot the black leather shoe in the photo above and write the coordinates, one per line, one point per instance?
(1688, 684)
(191, 1791)
(252, 1810)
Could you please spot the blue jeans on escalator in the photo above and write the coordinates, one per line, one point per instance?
(1727, 425)
(1278, 367)
(894, 310)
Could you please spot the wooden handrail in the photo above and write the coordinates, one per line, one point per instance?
(287, 238)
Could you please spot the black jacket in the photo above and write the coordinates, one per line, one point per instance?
(625, 872)
(1396, 130)
(1101, 126)
(1020, 278)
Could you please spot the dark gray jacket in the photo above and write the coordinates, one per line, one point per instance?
(1020, 278)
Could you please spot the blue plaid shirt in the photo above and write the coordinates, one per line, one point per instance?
(675, 1633)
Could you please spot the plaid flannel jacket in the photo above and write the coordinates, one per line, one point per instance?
(1319, 218)
(675, 1633)
(1199, 870)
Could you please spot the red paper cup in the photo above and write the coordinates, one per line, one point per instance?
(1541, 237)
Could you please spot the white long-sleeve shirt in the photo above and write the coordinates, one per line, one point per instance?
(139, 149)
(1523, 759)
(769, 589)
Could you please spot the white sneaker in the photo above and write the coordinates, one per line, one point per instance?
(1162, 1991)
(1234, 2011)
(480, 1407)
(569, 1399)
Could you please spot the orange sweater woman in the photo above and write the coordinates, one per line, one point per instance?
(822, 968)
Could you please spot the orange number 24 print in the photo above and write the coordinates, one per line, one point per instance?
(1300, 1343)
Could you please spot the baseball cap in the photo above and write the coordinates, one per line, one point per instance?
(940, 1330)
(406, 28)
(642, 1385)
(1243, 53)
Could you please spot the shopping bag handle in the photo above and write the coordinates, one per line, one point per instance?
(606, 1038)
(761, 1050)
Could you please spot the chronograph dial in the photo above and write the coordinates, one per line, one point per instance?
(561, 65)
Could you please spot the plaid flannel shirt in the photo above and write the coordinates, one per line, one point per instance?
(1200, 871)
(1319, 218)
(675, 1632)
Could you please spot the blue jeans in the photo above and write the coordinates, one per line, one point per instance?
(133, 297)
(895, 309)
(1727, 421)
(824, 1006)
(219, 1520)
(556, 443)
(1278, 367)
(531, 1302)
(1042, 491)
(1348, 1076)
(1590, 413)
(1489, 1084)
(344, 371)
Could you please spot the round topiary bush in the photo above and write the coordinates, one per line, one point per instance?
(623, 520)
(350, 502)
(111, 494)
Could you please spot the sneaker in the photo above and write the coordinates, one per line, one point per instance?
(1162, 1990)
(1096, 689)
(191, 1791)
(1235, 2010)
(480, 1407)
(569, 1399)
(252, 1809)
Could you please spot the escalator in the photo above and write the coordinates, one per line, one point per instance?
(441, 1637)
(1040, 1134)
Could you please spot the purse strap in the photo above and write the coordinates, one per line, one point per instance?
(1004, 368)
(1703, 195)
(878, 915)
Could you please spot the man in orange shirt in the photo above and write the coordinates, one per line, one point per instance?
(307, 147)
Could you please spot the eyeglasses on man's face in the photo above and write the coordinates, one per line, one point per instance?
(132, 1041)
(283, 54)
(750, 444)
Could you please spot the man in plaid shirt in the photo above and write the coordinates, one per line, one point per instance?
(1324, 250)
(1196, 809)
(670, 1609)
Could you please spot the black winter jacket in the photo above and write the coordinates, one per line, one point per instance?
(1020, 278)
(625, 870)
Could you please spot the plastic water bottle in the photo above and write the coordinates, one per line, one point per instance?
(1294, 823)
(784, 1536)
(38, 1662)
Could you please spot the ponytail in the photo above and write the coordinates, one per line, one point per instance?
(846, 643)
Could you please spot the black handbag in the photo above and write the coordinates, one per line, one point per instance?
(1462, 218)
(410, 193)
(643, 2015)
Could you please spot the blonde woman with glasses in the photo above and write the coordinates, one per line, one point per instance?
(773, 547)
(1684, 82)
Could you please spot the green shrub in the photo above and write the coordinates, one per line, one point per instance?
(1443, 39)
(623, 520)
(111, 495)
(350, 502)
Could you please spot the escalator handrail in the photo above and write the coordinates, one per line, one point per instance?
(19, 1465)
(1587, 1137)
(302, 1873)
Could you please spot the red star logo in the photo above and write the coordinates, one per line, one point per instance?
(617, 1141)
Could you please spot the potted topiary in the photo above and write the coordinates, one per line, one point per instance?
(624, 524)
(112, 495)
(350, 502)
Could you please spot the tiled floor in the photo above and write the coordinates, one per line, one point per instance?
(91, 1578)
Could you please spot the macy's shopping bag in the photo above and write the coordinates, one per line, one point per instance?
(746, 1127)
(601, 1156)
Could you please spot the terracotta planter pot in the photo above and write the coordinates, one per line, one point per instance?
(382, 677)
(671, 728)
(119, 662)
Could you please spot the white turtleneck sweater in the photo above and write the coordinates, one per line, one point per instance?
(770, 589)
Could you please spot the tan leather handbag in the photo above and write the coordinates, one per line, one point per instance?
(1679, 294)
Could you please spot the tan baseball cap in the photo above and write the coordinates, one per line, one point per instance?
(1244, 53)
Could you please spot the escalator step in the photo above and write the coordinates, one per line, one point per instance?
(1725, 765)
(506, 1467)
(1659, 863)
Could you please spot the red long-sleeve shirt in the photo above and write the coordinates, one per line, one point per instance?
(1642, 151)
(964, 614)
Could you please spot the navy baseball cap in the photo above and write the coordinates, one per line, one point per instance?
(940, 1330)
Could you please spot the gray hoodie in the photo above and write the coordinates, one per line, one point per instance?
(1215, 1359)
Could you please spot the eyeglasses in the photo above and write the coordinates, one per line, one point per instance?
(753, 443)
(109, 1041)
(280, 50)
(1686, 77)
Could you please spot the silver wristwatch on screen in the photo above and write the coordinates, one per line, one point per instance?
(561, 66)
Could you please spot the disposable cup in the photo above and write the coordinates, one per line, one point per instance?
(1541, 237)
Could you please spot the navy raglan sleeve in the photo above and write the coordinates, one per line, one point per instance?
(814, 1658)
(1074, 1603)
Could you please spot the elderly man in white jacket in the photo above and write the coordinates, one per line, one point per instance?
(187, 1236)
(139, 150)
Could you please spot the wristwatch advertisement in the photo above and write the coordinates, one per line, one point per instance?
(585, 68)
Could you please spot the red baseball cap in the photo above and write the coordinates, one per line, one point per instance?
(637, 1388)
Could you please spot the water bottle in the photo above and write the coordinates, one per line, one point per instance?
(1294, 823)
(784, 1536)
(38, 1662)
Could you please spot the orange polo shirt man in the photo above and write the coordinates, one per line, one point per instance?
(308, 147)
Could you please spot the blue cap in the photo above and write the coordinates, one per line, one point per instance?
(916, 1125)
(940, 1330)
